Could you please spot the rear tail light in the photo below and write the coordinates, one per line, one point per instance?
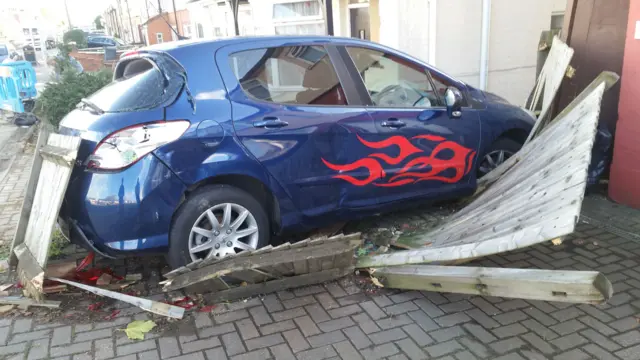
(125, 147)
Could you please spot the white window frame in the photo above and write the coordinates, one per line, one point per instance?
(159, 38)
(297, 20)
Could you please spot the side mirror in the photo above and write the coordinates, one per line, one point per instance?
(453, 100)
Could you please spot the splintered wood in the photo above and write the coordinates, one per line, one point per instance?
(50, 174)
(269, 269)
(535, 196)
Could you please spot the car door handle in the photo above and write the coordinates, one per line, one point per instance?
(270, 123)
(393, 123)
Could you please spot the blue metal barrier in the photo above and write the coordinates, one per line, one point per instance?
(17, 84)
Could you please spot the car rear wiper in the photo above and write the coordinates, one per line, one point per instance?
(91, 105)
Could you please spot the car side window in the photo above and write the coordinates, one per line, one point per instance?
(441, 83)
(301, 75)
(392, 81)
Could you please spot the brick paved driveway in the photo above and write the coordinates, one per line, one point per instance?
(338, 321)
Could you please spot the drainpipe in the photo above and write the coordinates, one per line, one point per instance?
(432, 31)
(484, 43)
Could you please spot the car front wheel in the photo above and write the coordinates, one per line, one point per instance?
(216, 221)
(500, 151)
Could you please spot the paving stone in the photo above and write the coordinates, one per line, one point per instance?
(324, 352)
(277, 327)
(380, 351)
(203, 320)
(33, 335)
(357, 337)
(247, 329)
(474, 346)
(335, 290)
(260, 315)
(625, 324)
(599, 339)
(537, 342)
(317, 313)
(382, 300)
(271, 303)
(482, 318)
(288, 314)
(510, 317)
(297, 302)
(506, 345)
(447, 334)
(93, 335)
(39, 349)
(511, 330)
(575, 354)
(103, 349)
(22, 325)
(4, 334)
(296, 341)
(542, 331)
(80, 348)
(199, 345)
(452, 319)
(326, 338)
(480, 333)
(82, 328)
(569, 341)
(593, 323)
(327, 301)
(346, 350)
(307, 326)
(216, 354)
(411, 349)
(387, 336)
(194, 356)
(444, 348)
(405, 296)
(429, 308)
(336, 324)
(233, 344)
(264, 341)
(367, 325)
(598, 352)
(415, 332)
(628, 339)
(373, 310)
(619, 312)
(148, 355)
(424, 321)
(344, 311)
(230, 316)
(132, 348)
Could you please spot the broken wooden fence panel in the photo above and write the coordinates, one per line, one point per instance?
(270, 268)
(536, 199)
(532, 284)
(548, 83)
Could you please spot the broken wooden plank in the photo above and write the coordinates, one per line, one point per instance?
(223, 268)
(24, 302)
(30, 273)
(155, 307)
(589, 287)
(52, 183)
(277, 285)
(27, 201)
(548, 83)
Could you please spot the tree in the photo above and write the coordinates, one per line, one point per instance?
(98, 22)
(77, 36)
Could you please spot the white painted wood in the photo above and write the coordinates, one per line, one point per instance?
(52, 183)
(535, 199)
(548, 285)
(155, 307)
(549, 82)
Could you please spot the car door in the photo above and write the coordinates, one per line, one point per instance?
(293, 113)
(422, 150)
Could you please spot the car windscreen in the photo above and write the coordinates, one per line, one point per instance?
(136, 90)
(3, 50)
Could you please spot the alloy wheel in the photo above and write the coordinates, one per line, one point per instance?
(223, 230)
(492, 160)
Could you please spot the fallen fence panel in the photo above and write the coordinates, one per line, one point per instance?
(536, 199)
(548, 285)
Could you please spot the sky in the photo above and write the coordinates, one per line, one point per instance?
(82, 12)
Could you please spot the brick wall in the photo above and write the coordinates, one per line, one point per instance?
(158, 25)
(93, 61)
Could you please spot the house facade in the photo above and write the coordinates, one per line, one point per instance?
(490, 44)
(166, 27)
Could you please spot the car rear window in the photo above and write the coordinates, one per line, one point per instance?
(140, 86)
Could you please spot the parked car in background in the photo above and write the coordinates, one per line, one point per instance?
(102, 41)
(204, 149)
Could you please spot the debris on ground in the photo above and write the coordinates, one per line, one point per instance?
(133, 277)
(136, 329)
(6, 308)
(104, 279)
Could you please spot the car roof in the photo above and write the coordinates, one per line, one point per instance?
(218, 43)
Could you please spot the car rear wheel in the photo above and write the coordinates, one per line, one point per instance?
(500, 151)
(217, 221)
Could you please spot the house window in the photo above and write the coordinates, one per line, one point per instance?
(159, 38)
(200, 31)
(217, 31)
(298, 17)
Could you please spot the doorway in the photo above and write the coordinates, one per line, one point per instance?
(359, 19)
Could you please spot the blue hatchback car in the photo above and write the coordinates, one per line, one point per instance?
(204, 149)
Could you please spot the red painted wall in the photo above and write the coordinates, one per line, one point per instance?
(624, 184)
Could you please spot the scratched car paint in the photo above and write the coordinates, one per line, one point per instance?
(201, 156)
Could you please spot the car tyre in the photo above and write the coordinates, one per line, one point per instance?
(196, 206)
(508, 147)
